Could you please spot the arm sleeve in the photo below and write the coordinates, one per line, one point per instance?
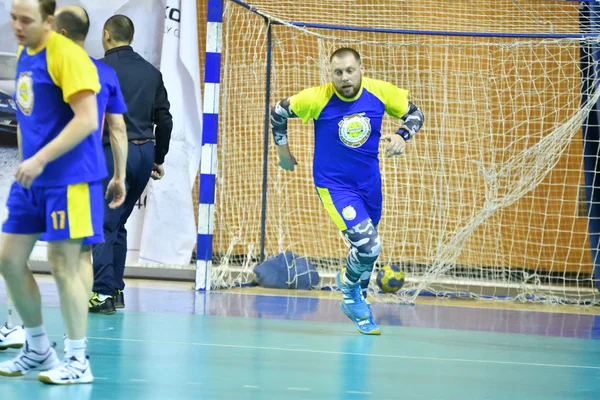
(397, 105)
(279, 117)
(71, 68)
(301, 104)
(413, 121)
(163, 121)
(309, 103)
(395, 99)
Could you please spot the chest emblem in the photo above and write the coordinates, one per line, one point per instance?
(354, 130)
(24, 93)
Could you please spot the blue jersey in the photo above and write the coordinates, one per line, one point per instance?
(347, 131)
(110, 99)
(45, 81)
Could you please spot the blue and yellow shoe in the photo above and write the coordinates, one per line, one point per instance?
(353, 303)
(365, 326)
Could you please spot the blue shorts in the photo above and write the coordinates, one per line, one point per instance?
(57, 213)
(348, 208)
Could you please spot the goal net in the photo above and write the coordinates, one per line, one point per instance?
(489, 199)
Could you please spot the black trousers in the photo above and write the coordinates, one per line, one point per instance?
(109, 257)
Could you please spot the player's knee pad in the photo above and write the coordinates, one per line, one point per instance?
(365, 242)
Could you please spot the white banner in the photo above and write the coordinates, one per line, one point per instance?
(161, 228)
(169, 229)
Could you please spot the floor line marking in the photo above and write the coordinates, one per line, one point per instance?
(338, 353)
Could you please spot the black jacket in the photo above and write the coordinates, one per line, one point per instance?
(146, 98)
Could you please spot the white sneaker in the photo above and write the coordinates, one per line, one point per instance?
(29, 360)
(70, 371)
(13, 338)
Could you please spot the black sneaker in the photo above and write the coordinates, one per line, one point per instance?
(97, 306)
(119, 299)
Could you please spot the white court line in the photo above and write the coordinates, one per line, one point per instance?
(300, 389)
(355, 392)
(98, 377)
(250, 387)
(343, 353)
(139, 380)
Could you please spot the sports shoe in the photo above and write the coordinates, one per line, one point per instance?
(353, 303)
(365, 326)
(119, 299)
(29, 360)
(12, 338)
(97, 306)
(70, 371)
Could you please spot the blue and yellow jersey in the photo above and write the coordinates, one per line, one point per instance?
(109, 99)
(46, 79)
(347, 131)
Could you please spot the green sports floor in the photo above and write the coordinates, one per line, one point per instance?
(180, 344)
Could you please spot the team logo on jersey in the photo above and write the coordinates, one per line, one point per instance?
(24, 93)
(349, 213)
(355, 130)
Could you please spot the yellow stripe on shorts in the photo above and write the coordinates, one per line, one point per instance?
(331, 210)
(79, 211)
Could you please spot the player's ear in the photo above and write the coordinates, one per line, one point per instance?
(49, 21)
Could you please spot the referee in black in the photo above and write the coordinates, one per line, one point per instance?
(149, 125)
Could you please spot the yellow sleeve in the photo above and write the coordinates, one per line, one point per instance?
(394, 98)
(309, 103)
(70, 67)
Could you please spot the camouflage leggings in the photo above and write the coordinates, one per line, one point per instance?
(365, 246)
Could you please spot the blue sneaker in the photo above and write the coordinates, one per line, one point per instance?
(365, 326)
(353, 303)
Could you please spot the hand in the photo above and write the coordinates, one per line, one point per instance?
(287, 162)
(28, 170)
(396, 145)
(116, 190)
(158, 172)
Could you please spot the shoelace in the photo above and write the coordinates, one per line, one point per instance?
(353, 291)
(69, 371)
